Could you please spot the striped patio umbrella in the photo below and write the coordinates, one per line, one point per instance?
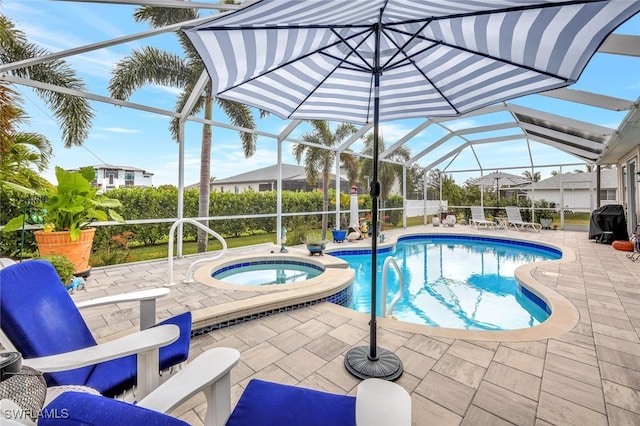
(367, 61)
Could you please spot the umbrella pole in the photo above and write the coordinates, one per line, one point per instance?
(374, 362)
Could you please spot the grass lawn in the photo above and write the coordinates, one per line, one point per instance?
(161, 251)
(575, 219)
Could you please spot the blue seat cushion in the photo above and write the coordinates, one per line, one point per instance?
(111, 378)
(178, 351)
(272, 404)
(40, 318)
(83, 409)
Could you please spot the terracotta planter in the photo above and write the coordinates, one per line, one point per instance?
(59, 243)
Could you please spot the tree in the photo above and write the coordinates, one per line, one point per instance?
(554, 173)
(74, 113)
(20, 152)
(387, 172)
(433, 184)
(319, 160)
(588, 167)
(450, 190)
(153, 66)
(415, 182)
(532, 177)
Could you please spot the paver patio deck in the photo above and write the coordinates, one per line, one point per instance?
(587, 376)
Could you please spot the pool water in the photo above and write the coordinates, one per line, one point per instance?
(267, 273)
(457, 282)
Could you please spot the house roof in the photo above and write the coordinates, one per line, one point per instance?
(270, 173)
(608, 180)
(111, 166)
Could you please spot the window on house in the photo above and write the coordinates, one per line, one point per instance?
(111, 175)
(129, 175)
(236, 189)
(608, 194)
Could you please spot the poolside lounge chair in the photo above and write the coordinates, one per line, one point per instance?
(515, 220)
(478, 220)
(39, 319)
(377, 402)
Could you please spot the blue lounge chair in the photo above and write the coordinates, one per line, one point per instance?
(39, 319)
(377, 402)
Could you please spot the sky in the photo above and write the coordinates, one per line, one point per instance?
(133, 138)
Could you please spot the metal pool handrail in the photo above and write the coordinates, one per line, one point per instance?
(189, 278)
(385, 270)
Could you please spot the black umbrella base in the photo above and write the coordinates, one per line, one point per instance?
(387, 367)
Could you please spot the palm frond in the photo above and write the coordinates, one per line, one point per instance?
(74, 113)
(36, 144)
(163, 16)
(240, 115)
(148, 65)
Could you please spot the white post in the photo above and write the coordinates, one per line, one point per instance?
(424, 197)
(533, 195)
(338, 207)
(404, 196)
(180, 184)
(561, 199)
(353, 207)
(440, 203)
(279, 195)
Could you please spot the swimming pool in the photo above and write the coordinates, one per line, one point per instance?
(456, 282)
(267, 272)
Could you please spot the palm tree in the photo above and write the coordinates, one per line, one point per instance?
(20, 152)
(73, 113)
(589, 168)
(323, 160)
(153, 66)
(387, 172)
(535, 177)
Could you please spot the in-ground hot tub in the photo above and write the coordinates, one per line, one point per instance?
(307, 281)
(267, 272)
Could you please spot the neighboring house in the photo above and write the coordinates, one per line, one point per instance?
(109, 177)
(294, 178)
(576, 191)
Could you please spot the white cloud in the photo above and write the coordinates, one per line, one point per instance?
(120, 130)
(461, 124)
(391, 132)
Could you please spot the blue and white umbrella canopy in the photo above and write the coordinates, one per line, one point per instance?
(367, 61)
(314, 59)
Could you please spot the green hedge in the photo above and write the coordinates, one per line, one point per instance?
(161, 202)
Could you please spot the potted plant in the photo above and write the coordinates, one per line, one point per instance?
(315, 243)
(67, 211)
(545, 219)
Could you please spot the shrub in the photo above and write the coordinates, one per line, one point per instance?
(63, 266)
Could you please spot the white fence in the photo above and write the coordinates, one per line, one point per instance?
(422, 207)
